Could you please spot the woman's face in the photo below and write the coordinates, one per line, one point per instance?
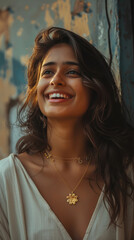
(60, 92)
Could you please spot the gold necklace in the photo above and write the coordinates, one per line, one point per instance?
(68, 159)
(72, 198)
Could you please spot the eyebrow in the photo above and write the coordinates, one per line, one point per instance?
(65, 63)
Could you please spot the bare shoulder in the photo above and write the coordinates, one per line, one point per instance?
(24, 156)
(28, 157)
(30, 161)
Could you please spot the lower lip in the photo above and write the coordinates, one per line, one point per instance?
(60, 100)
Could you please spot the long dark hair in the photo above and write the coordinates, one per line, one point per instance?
(110, 137)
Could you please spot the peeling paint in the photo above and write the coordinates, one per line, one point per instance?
(43, 7)
(6, 20)
(24, 60)
(64, 12)
(1, 40)
(9, 53)
(81, 6)
(80, 25)
(100, 32)
(7, 90)
(54, 8)
(8, 57)
(10, 20)
(26, 7)
(49, 20)
(19, 33)
(35, 23)
(20, 18)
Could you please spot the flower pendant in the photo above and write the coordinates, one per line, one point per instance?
(72, 198)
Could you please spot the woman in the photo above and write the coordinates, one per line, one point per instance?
(73, 175)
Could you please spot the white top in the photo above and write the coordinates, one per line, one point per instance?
(25, 215)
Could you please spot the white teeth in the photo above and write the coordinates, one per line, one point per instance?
(58, 95)
(65, 96)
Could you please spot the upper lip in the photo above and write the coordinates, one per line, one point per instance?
(58, 91)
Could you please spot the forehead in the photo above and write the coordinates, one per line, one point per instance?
(60, 53)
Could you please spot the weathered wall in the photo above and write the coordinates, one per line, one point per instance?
(20, 21)
(126, 35)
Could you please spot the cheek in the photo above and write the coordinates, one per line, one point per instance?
(84, 93)
(86, 99)
(42, 85)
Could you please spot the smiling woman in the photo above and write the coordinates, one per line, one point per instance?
(73, 174)
(61, 82)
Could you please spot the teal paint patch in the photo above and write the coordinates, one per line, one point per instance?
(18, 72)
(18, 76)
(127, 56)
(3, 65)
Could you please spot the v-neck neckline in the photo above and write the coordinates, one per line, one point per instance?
(44, 203)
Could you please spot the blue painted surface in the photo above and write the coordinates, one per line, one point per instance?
(126, 56)
(3, 65)
(19, 76)
(28, 20)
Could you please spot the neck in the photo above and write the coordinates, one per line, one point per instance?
(66, 138)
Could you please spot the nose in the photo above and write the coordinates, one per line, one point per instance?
(57, 80)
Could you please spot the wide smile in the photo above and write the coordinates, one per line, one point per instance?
(58, 97)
